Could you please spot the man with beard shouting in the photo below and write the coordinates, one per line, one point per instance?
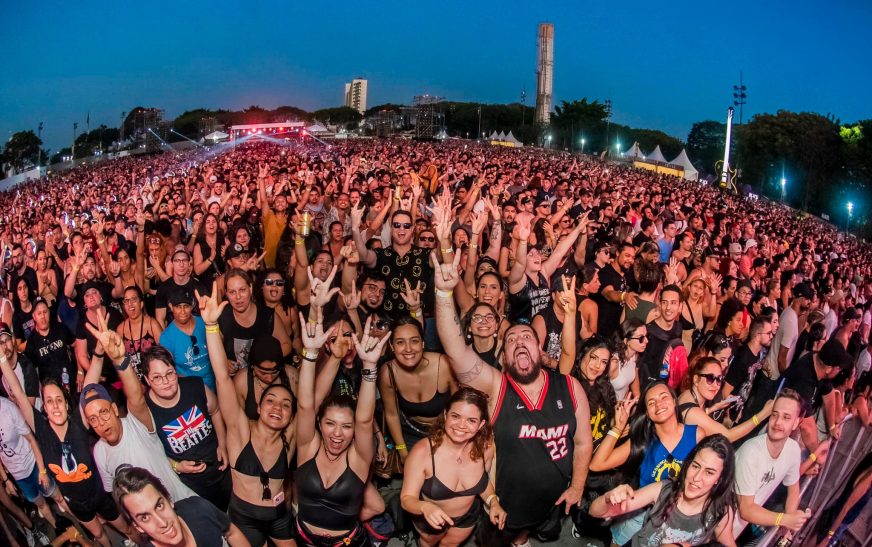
(540, 419)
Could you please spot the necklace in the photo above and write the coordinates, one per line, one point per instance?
(327, 454)
(460, 455)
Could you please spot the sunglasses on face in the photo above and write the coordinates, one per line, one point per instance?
(381, 324)
(267, 370)
(403, 225)
(429, 239)
(640, 338)
(274, 282)
(712, 379)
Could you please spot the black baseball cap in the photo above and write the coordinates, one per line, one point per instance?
(180, 295)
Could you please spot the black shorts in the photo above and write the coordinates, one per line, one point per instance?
(102, 505)
(466, 520)
(258, 523)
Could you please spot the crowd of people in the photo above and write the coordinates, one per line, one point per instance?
(334, 345)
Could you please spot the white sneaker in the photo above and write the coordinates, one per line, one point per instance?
(128, 543)
(42, 538)
(28, 535)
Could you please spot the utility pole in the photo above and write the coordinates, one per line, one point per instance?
(121, 134)
(740, 97)
(73, 153)
(479, 120)
(39, 135)
(523, 106)
(608, 105)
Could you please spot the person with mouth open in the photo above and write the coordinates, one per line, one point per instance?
(540, 419)
(693, 509)
(192, 521)
(261, 449)
(335, 441)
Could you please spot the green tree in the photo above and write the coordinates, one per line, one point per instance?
(22, 149)
(341, 115)
(572, 119)
(805, 144)
(705, 144)
(649, 139)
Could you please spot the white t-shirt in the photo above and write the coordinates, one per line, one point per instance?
(864, 363)
(138, 447)
(15, 452)
(788, 332)
(758, 474)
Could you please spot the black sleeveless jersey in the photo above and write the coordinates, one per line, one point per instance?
(534, 445)
(186, 430)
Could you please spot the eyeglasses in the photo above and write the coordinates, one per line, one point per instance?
(374, 288)
(381, 324)
(103, 415)
(640, 338)
(165, 379)
(131, 300)
(274, 282)
(403, 225)
(486, 318)
(712, 378)
(194, 347)
(769, 334)
(181, 260)
(429, 239)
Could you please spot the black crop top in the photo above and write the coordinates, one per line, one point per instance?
(249, 464)
(335, 508)
(434, 489)
(430, 408)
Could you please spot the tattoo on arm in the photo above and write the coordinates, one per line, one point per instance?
(472, 373)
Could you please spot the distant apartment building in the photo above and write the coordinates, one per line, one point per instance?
(355, 94)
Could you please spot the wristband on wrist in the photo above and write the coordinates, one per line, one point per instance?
(447, 251)
(415, 313)
(175, 466)
(613, 433)
(778, 519)
(755, 419)
(490, 499)
(399, 447)
(124, 364)
(812, 457)
(310, 355)
(444, 294)
(831, 533)
(369, 374)
(213, 329)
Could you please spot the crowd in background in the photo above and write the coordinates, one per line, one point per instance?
(334, 345)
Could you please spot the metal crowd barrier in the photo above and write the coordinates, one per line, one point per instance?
(818, 492)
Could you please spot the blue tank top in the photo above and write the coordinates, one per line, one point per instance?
(659, 463)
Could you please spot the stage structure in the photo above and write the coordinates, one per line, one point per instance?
(427, 119)
(545, 73)
(282, 130)
(149, 128)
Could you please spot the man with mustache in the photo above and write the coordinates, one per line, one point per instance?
(540, 419)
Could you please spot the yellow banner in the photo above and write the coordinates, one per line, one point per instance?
(674, 170)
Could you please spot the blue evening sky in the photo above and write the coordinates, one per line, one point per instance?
(665, 65)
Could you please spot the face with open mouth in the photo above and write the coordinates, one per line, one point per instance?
(522, 354)
(276, 407)
(337, 429)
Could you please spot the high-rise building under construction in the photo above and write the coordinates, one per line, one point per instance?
(545, 73)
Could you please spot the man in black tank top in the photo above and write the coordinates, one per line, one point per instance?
(189, 426)
(540, 418)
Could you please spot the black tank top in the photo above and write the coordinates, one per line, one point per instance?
(334, 508)
(434, 489)
(238, 339)
(533, 435)
(488, 356)
(251, 402)
(185, 430)
(529, 301)
(430, 408)
(554, 332)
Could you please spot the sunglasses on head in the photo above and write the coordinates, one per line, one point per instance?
(404, 225)
(274, 282)
(267, 370)
(711, 378)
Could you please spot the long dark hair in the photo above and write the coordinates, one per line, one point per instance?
(600, 394)
(624, 332)
(721, 500)
(483, 436)
(642, 428)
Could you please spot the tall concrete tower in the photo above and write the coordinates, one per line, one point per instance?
(545, 73)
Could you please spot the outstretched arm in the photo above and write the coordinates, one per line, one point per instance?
(369, 348)
(314, 337)
(467, 366)
(367, 256)
(114, 346)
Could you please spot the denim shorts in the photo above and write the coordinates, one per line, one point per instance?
(31, 488)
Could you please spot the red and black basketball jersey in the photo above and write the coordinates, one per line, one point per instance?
(534, 446)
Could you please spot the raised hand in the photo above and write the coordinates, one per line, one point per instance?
(321, 291)
(566, 297)
(356, 217)
(522, 226)
(108, 338)
(412, 297)
(351, 300)
(350, 254)
(479, 221)
(446, 276)
(369, 348)
(312, 332)
(210, 308)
